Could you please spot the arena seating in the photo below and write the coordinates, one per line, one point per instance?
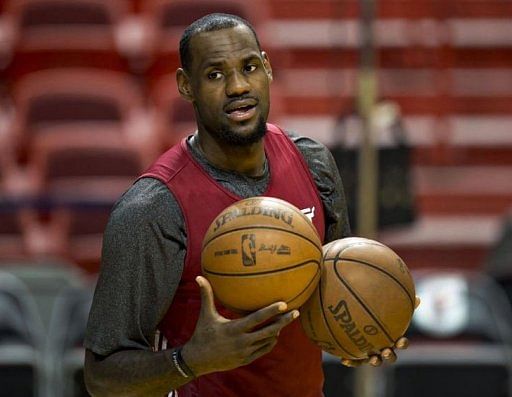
(73, 95)
(105, 89)
(40, 34)
(20, 233)
(448, 67)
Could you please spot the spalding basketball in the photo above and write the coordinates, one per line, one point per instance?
(364, 301)
(259, 251)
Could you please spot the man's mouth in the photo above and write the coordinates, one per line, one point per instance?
(241, 110)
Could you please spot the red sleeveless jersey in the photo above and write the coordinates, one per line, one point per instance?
(293, 367)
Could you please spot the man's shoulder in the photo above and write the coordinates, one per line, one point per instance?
(317, 155)
(147, 196)
(307, 146)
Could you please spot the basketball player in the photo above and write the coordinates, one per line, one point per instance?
(149, 289)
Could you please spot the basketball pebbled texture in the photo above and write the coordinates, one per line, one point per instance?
(364, 301)
(259, 251)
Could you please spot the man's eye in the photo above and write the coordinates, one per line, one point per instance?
(214, 75)
(250, 68)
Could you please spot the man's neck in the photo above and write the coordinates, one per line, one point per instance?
(247, 160)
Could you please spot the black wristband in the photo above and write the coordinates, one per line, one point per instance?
(180, 364)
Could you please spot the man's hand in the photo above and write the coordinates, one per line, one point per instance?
(386, 355)
(220, 344)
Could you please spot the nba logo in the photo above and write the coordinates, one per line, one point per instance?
(248, 249)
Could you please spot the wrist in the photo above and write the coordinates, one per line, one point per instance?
(191, 360)
(180, 364)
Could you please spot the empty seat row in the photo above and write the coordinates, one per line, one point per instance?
(72, 232)
(37, 34)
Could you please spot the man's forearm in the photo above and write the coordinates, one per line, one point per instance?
(132, 373)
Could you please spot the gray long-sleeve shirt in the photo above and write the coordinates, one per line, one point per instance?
(144, 247)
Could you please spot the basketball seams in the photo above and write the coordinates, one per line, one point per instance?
(340, 251)
(314, 279)
(390, 275)
(369, 242)
(364, 305)
(330, 246)
(280, 270)
(315, 244)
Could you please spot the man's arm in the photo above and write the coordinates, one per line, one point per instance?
(142, 259)
(131, 373)
(328, 182)
(217, 344)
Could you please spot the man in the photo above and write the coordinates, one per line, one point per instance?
(149, 282)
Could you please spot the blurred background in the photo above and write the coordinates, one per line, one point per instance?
(413, 97)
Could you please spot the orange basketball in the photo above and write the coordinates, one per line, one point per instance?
(364, 301)
(259, 251)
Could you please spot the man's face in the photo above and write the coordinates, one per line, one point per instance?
(229, 85)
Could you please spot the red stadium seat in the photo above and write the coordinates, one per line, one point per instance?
(78, 180)
(75, 165)
(91, 98)
(23, 235)
(54, 33)
(12, 235)
(79, 228)
(174, 115)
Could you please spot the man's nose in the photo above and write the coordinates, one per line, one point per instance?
(237, 84)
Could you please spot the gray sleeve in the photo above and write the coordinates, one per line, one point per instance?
(328, 181)
(144, 245)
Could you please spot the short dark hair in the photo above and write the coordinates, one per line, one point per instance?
(209, 23)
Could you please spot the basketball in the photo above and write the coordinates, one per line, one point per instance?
(364, 301)
(259, 251)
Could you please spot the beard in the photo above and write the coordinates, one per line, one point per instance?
(232, 138)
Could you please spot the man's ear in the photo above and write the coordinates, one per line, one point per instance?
(266, 65)
(184, 85)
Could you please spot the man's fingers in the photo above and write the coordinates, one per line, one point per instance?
(402, 343)
(353, 363)
(272, 330)
(417, 302)
(249, 322)
(388, 355)
(350, 363)
(375, 361)
(207, 303)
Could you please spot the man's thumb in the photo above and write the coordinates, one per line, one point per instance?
(207, 302)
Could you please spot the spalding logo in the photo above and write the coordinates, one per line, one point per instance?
(342, 316)
(285, 216)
